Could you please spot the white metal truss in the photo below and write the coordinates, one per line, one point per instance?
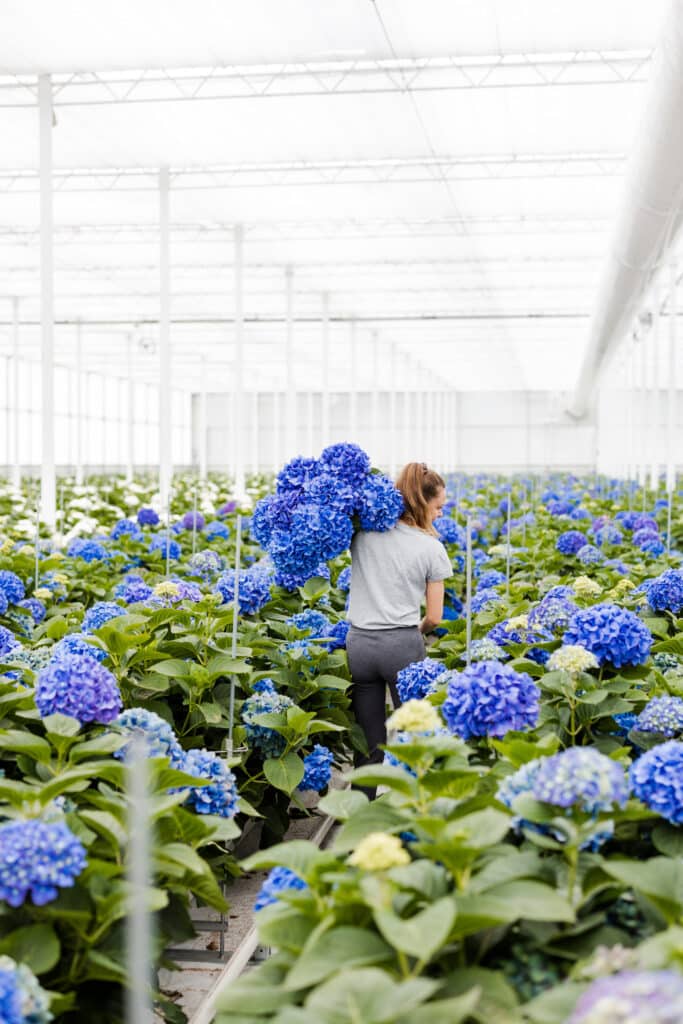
(389, 171)
(333, 78)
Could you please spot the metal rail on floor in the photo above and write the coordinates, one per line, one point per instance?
(244, 953)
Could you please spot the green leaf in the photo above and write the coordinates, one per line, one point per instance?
(384, 775)
(17, 741)
(315, 587)
(57, 628)
(61, 725)
(659, 878)
(668, 840)
(555, 1005)
(298, 855)
(328, 682)
(35, 945)
(327, 951)
(107, 825)
(512, 901)
(512, 865)
(225, 665)
(441, 1010)
(377, 816)
(368, 994)
(285, 772)
(174, 668)
(421, 935)
(342, 803)
(107, 743)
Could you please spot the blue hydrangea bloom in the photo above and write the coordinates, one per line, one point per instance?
(418, 679)
(295, 473)
(483, 599)
(608, 534)
(37, 859)
(148, 517)
(220, 797)
(161, 741)
(79, 686)
(653, 547)
(645, 522)
(167, 546)
(657, 780)
(553, 614)
(485, 650)
(562, 591)
(662, 714)
(270, 514)
(133, 589)
(590, 555)
(34, 1002)
(35, 607)
(88, 550)
(192, 520)
(346, 461)
(450, 532)
(8, 641)
(264, 686)
(267, 741)
(10, 998)
(627, 519)
(331, 492)
(665, 592)
(502, 634)
(206, 564)
(632, 997)
(11, 586)
(100, 613)
(570, 542)
(344, 579)
(254, 589)
(216, 530)
(626, 721)
(582, 777)
(317, 769)
(4, 603)
(613, 634)
(299, 645)
(490, 578)
(278, 881)
(314, 622)
(125, 528)
(292, 580)
(579, 513)
(559, 507)
(337, 635)
(490, 699)
(380, 504)
(644, 535)
(316, 535)
(75, 643)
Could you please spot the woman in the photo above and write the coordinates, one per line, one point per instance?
(392, 574)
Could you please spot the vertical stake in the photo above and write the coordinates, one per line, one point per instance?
(468, 588)
(668, 521)
(508, 552)
(235, 618)
(194, 521)
(139, 928)
(168, 534)
(37, 542)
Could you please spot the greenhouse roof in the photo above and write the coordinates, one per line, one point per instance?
(448, 171)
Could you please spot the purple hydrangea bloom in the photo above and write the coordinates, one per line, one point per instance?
(665, 592)
(220, 797)
(35, 607)
(380, 504)
(148, 517)
(12, 586)
(645, 535)
(581, 777)
(663, 715)
(613, 634)
(227, 508)
(88, 550)
(317, 769)
(630, 997)
(645, 522)
(346, 461)
(418, 679)
(100, 613)
(570, 542)
(490, 699)
(37, 859)
(125, 528)
(254, 589)
(78, 686)
(657, 780)
(278, 881)
(193, 520)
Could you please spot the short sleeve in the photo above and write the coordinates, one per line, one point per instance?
(440, 567)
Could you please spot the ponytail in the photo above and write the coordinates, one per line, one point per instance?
(418, 485)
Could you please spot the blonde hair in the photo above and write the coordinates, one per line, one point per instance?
(418, 485)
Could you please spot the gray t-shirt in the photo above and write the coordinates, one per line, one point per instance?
(389, 575)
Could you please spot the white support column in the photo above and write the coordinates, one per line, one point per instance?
(671, 382)
(202, 431)
(376, 456)
(654, 432)
(291, 426)
(408, 431)
(353, 383)
(16, 432)
(255, 433)
(78, 409)
(165, 456)
(47, 312)
(130, 410)
(642, 470)
(310, 443)
(419, 428)
(238, 434)
(275, 427)
(325, 411)
(455, 445)
(392, 411)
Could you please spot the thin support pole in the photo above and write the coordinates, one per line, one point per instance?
(508, 551)
(194, 519)
(468, 590)
(671, 389)
(140, 939)
(654, 397)
(238, 396)
(325, 412)
(168, 535)
(291, 427)
(16, 458)
(165, 468)
(130, 410)
(36, 546)
(47, 311)
(235, 621)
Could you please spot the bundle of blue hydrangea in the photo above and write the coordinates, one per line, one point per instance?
(318, 505)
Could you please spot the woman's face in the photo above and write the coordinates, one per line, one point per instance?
(435, 505)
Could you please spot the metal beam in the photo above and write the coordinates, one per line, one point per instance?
(334, 78)
(297, 173)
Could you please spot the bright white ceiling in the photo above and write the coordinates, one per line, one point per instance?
(467, 226)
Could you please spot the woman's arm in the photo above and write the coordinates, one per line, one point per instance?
(434, 610)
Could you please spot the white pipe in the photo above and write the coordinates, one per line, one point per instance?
(165, 466)
(325, 412)
(202, 440)
(291, 430)
(671, 381)
(650, 216)
(16, 461)
(47, 304)
(238, 433)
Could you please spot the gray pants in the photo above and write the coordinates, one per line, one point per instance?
(376, 656)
